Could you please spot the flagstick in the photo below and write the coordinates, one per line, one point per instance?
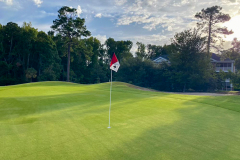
(110, 100)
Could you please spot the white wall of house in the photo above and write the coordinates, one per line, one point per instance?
(224, 66)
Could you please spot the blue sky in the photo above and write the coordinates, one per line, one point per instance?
(146, 21)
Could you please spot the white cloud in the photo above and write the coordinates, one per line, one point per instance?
(159, 18)
(170, 28)
(44, 13)
(99, 15)
(154, 14)
(184, 2)
(154, 39)
(101, 38)
(120, 2)
(8, 2)
(43, 27)
(38, 2)
(165, 18)
(152, 2)
(79, 10)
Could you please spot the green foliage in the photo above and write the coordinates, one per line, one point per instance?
(31, 73)
(120, 48)
(191, 65)
(23, 48)
(69, 26)
(141, 50)
(234, 52)
(235, 79)
(4, 68)
(155, 51)
(237, 63)
(209, 18)
(137, 72)
(47, 59)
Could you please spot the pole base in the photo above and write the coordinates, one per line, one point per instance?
(109, 127)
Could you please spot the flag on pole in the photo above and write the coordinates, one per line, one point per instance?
(114, 63)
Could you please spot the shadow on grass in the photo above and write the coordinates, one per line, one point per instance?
(88, 100)
(204, 131)
(227, 102)
(196, 129)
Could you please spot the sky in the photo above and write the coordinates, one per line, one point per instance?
(146, 21)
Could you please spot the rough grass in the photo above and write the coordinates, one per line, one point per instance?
(59, 120)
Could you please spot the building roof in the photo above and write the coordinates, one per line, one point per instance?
(160, 59)
(214, 57)
(165, 56)
(217, 57)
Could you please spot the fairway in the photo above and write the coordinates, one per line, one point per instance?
(67, 121)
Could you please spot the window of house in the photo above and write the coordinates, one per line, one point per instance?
(229, 65)
(228, 84)
(225, 64)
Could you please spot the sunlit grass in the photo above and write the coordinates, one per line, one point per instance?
(59, 120)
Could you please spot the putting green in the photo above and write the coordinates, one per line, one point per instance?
(59, 120)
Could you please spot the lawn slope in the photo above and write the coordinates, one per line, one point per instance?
(59, 120)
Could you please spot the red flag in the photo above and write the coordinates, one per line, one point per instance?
(114, 63)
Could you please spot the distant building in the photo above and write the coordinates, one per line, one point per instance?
(225, 65)
(162, 59)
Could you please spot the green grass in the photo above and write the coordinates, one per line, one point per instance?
(58, 120)
(230, 92)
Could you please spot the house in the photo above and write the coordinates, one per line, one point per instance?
(225, 65)
(161, 59)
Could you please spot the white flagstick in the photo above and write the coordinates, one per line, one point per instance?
(110, 100)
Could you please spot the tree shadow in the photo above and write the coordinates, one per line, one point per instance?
(202, 131)
(13, 107)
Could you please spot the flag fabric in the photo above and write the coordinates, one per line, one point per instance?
(114, 63)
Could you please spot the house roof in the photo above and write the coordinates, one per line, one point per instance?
(161, 59)
(165, 56)
(162, 56)
(217, 57)
(214, 57)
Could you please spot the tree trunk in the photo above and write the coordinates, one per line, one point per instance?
(68, 63)
(11, 45)
(184, 87)
(10, 50)
(24, 68)
(39, 69)
(28, 60)
(209, 35)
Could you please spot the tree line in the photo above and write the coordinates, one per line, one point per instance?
(69, 53)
